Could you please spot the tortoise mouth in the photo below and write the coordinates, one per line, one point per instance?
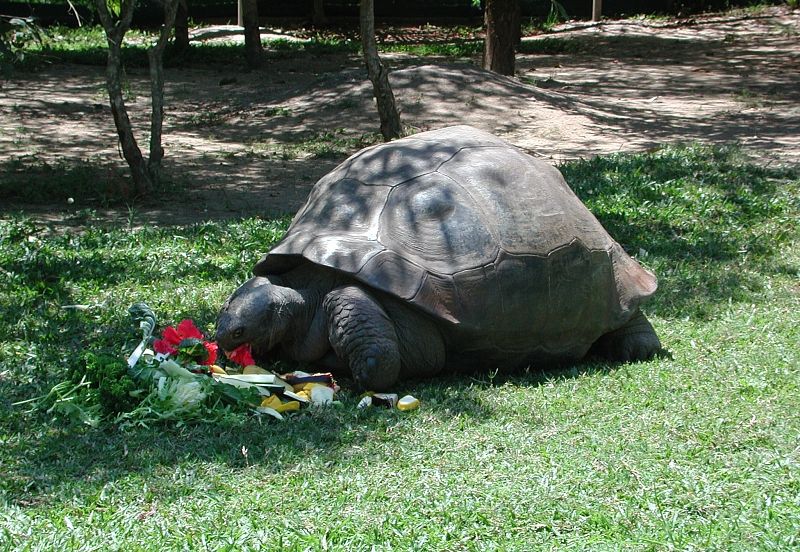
(242, 355)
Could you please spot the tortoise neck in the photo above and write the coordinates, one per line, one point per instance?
(306, 337)
(305, 287)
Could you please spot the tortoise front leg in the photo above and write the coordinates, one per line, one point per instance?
(363, 336)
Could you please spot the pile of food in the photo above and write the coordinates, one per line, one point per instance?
(180, 376)
(183, 365)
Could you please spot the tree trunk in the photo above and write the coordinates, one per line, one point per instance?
(145, 173)
(155, 56)
(318, 14)
(502, 20)
(597, 10)
(115, 32)
(378, 74)
(182, 28)
(253, 52)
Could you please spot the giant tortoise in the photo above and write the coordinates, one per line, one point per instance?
(447, 250)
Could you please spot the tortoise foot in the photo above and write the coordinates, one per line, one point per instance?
(633, 342)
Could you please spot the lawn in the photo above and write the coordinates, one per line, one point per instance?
(699, 450)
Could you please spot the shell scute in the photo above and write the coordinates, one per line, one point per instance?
(432, 222)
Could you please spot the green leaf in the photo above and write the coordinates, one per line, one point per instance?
(192, 349)
(114, 7)
(68, 400)
(144, 317)
(237, 395)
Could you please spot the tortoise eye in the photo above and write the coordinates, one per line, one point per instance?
(238, 332)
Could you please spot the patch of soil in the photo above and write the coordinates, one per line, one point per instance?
(253, 143)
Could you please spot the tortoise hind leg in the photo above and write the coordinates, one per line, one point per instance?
(635, 341)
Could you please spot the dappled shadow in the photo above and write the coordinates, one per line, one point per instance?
(577, 99)
(92, 181)
(709, 214)
(245, 143)
(712, 84)
(49, 461)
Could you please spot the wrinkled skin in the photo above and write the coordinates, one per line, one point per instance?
(330, 321)
(312, 315)
(252, 316)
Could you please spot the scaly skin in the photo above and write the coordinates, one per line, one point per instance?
(361, 333)
(329, 321)
(633, 342)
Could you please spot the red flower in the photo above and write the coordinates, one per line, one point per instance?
(164, 346)
(172, 338)
(212, 352)
(242, 355)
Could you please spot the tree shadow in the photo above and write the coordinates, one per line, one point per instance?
(719, 69)
(617, 76)
(701, 265)
(45, 456)
(49, 460)
(710, 227)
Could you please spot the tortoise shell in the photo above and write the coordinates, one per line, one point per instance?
(474, 232)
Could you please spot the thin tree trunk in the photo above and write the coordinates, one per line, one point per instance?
(115, 32)
(253, 52)
(318, 14)
(597, 10)
(155, 55)
(182, 27)
(502, 18)
(378, 74)
(145, 173)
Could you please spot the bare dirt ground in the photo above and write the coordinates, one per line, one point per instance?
(254, 143)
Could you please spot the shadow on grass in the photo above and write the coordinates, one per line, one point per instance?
(35, 180)
(52, 461)
(710, 223)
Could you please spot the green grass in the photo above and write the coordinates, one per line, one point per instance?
(703, 218)
(333, 144)
(455, 49)
(34, 180)
(700, 451)
(87, 45)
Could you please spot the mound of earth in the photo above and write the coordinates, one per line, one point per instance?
(253, 143)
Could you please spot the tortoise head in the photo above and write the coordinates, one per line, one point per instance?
(256, 314)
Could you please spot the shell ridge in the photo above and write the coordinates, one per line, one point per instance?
(366, 279)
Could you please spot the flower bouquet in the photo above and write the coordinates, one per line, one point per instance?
(177, 377)
(185, 380)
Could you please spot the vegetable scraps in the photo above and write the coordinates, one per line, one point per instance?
(176, 374)
(187, 344)
(175, 377)
(164, 378)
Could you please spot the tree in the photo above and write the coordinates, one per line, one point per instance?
(146, 173)
(378, 74)
(16, 33)
(318, 17)
(502, 20)
(182, 27)
(253, 51)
